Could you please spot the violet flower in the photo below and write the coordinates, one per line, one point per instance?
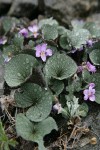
(90, 67)
(57, 107)
(89, 93)
(23, 32)
(34, 29)
(42, 51)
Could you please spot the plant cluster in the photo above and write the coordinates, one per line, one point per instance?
(52, 70)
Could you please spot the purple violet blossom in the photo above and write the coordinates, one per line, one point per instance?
(34, 29)
(42, 51)
(57, 107)
(89, 93)
(23, 32)
(90, 67)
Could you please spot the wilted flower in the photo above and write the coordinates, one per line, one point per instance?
(3, 40)
(92, 85)
(42, 51)
(57, 107)
(89, 43)
(7, 59)
(34, 29)
(73, 50)
(23, 32)
(80, 69)
(89, 93)
(90, 67)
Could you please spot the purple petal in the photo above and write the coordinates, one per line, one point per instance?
(38, 53)
(80, 69)
(35, 35)
(3, 40)
(43, 47)
(33, 28)
(86, 97)
(89, 43)
(92, 85)
(85, 92)
(38, 47)
(90, 67)
(43, 57)
(48, 52)
(92, 98)
(23, 32)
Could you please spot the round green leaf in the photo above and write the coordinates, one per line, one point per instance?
(19, 69)
(50, 32)
(34, 131)
(83, 110)
(49, 21)
(40, 99)
(97, 96)
(60, 67)
(95, 56)
(9, 22)
(57, 86)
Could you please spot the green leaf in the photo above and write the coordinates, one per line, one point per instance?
(57, 86)
(93, 28)
(61, 30)
(78, 37)
(83, 110)
(18, 41)
(72, 106)
(74, 85)
(97, 96)
(95, 56)
(40, 99)
(9, 22)
(49, 21)
(34, 131)
(64, 42)
(60, 66)
(86, 76)
(50, 32)
(19, 69)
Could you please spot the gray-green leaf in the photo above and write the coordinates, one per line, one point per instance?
(19, 69)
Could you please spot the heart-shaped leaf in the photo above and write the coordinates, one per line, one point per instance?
(83, 110)
(60, 67)
(49, 21)
(50, 32)
(64, 42)
(19, 69)
(34, 131)
(9, 22)
(93, 28)
(57, 86)
(78, 37)
(40, 99)
(95, 56)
